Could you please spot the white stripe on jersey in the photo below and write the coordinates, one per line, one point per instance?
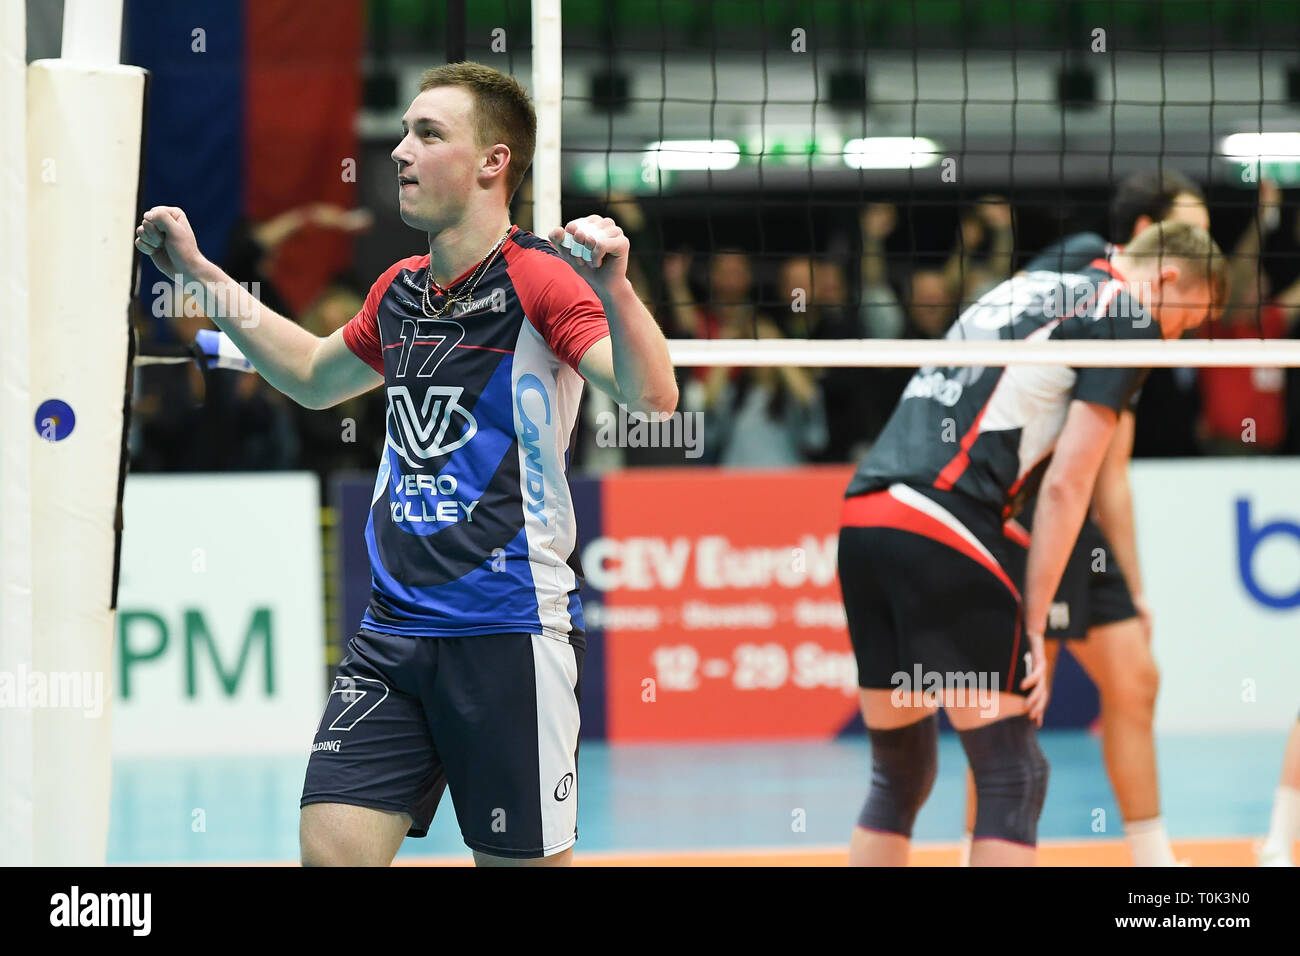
(555, 673)
(1036, 398)
(1033, 398)
(914, 499)
(548, 521)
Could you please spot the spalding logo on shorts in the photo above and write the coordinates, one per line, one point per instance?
(54, 420)
(564, 787)
(1058, 616)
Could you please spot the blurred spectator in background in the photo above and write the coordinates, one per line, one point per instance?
(934, 295)
(882, 317)
(730, 313)
(816, 293)
(763, 417)
(1244, 409)
(931, 304)
(730, 301)
(985, 252)
(755, 417)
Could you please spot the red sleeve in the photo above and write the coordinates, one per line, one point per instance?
(558, 301)
(361, 334)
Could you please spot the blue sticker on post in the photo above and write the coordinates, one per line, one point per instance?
(54, 420)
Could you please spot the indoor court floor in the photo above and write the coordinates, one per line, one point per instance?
(771, 803)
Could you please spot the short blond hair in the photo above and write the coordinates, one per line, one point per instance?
(1189, 245)
(503, 113)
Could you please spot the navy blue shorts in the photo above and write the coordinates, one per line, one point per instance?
(492, 718)
(1092, 591)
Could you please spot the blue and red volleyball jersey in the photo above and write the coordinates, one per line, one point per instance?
(471, 527)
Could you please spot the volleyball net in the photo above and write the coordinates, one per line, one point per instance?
(849, 177)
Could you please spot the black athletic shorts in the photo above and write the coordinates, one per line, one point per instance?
(927, 591)
(1092, 591)
(492, 718)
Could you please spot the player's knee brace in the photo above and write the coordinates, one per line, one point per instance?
(1010, 779)
(904, 763)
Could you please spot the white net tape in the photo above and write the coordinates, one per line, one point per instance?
(908, 353)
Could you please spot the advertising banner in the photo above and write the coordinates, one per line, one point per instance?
(720, 604)
(220, 632)
(1220, 547)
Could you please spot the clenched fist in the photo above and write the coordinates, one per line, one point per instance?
(597, 248)
(165, 236)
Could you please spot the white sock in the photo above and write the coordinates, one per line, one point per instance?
(1148, 843)
(967, 839)
(1285, 827)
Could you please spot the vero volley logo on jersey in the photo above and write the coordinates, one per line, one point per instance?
(422, 430)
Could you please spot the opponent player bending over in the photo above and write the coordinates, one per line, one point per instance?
(1100, 609)
(923, 560)
(467, 667)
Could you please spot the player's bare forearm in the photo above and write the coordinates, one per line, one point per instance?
(1058, 517)
(1063, 503)
(312, 371)
(281, 350)
(1112, 501)
(633, 365)
(642, 365)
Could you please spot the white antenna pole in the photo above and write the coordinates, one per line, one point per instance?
(92, 32)
(548, 96)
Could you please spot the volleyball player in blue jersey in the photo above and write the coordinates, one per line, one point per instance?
(466, 672)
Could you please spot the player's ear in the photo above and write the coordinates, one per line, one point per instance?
(1140, 225)
(496, 159)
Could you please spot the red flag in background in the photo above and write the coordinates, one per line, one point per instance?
(303, 89)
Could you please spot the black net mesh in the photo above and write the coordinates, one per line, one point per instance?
(801, 169)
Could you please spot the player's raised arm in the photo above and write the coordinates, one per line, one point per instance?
(314, 372)
(632, 365)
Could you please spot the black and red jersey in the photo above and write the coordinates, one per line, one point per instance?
(988, 432)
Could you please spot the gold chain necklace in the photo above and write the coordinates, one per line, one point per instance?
(476, 276)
